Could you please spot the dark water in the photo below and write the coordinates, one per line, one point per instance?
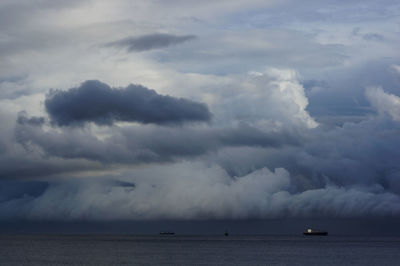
(197, 250)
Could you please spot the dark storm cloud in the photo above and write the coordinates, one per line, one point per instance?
(27, 160)
(142, 144)
(11, 189)
(94, 101)
(151, 41)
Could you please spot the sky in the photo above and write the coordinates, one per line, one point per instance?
(194, 111)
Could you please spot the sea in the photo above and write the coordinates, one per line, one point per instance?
(197, 250)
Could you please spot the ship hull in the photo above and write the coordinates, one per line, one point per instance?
(167, 233)
(315, 233)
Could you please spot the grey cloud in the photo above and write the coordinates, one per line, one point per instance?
(194, 191)
(344, 156)
(20, 13)
(144, 144)
(27, 160)
(367, 36)
(150, 42)
(96, 102)
(269, 47)
(327, 12)
(24, 119)
(373, 37)
(12, 87)
(11, 189)
(246, 135)
(341, 96)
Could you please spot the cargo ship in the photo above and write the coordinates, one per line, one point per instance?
(167, 233)
(310, 232)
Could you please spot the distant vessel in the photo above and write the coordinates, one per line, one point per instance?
(167, 233)
(311, 232)
(226, 233)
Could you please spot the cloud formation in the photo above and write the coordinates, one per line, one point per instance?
(150, 42)
(94, 101)
(219, 172)
(384, 103)
(293, 130)
(143, 144)
(193, 191)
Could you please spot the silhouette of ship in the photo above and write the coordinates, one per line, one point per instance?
(310, 232)
(167, 233)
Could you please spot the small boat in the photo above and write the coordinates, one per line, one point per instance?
(226, 233)
(311, 232)
(167, 233)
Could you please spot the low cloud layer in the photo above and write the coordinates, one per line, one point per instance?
(150, 42)
(193, 191)
(94, 101)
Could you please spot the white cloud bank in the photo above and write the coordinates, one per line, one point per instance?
(197, 191)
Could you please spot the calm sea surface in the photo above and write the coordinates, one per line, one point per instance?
(197, 250)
